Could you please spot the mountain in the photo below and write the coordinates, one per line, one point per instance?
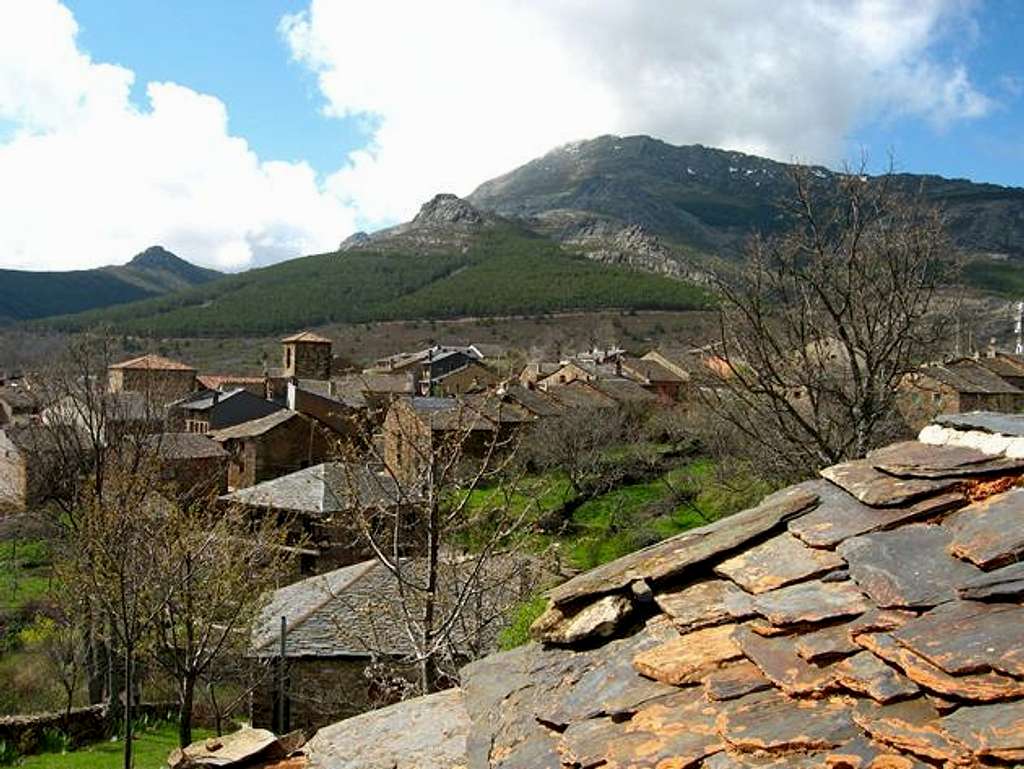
(698, 200)
(29, 295)
(452, 260)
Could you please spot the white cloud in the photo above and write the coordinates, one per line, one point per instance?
(463, 90)
(87, 178)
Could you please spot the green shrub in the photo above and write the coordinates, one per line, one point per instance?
(517, 632)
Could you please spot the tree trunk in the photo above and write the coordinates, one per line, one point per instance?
(188, 689)
(129, 683)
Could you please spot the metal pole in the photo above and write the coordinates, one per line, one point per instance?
(281, 680)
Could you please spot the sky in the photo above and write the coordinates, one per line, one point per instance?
(238, 133)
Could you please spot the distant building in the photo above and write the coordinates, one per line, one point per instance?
(18, 405)
(271, 446)
(653, 376)
(207, 410)
(1005, 365)
(952, 388)
(306, 356)
(28, 455)
(153, 375)
(257, 385)
(193, 463)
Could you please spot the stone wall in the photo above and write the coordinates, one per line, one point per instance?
(88, 724)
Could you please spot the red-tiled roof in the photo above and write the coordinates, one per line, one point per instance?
(152, 362)
(307, 336)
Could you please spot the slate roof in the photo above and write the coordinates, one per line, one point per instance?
(535, 401)
(152, 362)
(186, 446)
(254, 427)
(355, 611)
(1003, 364)
(969, 376)
(307, 336)
(649, 370)
(623, 390)
(322, 489)
(873, 617)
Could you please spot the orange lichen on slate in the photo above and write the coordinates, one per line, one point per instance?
(687, 659)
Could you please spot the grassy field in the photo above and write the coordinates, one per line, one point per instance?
(24, 573)
(152, 747)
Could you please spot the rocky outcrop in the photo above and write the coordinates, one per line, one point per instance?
(445, 209)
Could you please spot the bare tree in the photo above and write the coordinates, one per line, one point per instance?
(216, 563)
(446, 523)
(824, 321)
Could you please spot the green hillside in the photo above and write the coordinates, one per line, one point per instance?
(505, 270)
(156, 271)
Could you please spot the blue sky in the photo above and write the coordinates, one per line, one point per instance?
(239, 133)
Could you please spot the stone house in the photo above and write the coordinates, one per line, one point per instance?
(581, 395)
(194, 464)
(653, 376)
(207, 410)
(338, 623)
(28, 453)
(373, 393)
(415, 427)
(18, 405)
(321, 400)
(324, 505)
(952, 388)
(157, 377)
(1004, 365)
(471, 378)
(271, 446)
(306, 356)
(568, 372)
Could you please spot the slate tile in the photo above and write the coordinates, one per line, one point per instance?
(826, 644)
(878, 489)
(779, 561)
(687, 659)
(984, 421)
(703, 604)
(989, 533)
(676, 731)
(778, 661)
(862, 753)
(906, 567)
(1006, 582)
(770, 721)
(839, 516)
(734, 680)
(989, 731)
(675, 555)
(913, 459)
(865, 673)
(969, 637)
(911, 726)
(980, 687)
(810, 602)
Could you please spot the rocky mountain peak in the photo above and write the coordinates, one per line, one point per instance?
(448, 209)
(155, 257)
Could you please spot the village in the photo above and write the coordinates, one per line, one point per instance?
(330, 453)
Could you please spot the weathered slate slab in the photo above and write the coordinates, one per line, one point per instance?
(1007, 582)
(984, 421)
(879, 489)
(913, 459)
(772, 722)
(777, 659)
(980, 687)
(839, 516)
(423, 733)
(780, 561)
(989, 533)
(969, 637)
(676, 730)
(604, 682)
(828, 643)
(867, 674)
(703, 604)
(906, 567)
(810, 602)
(673, 556)
(734, 680)
(687, 659)
(911, 726)
(598, 619)
(989, 731)
(862, 753)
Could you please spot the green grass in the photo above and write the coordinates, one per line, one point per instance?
(506, 270)
(517, 631)
(24, 573)
(1006, 278)
(152, 747)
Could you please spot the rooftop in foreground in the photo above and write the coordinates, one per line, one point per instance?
(869, 618)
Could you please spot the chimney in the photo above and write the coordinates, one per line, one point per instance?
(990, 351)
